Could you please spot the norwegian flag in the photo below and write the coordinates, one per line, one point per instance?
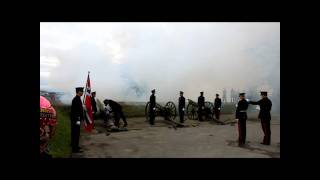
(88, 115)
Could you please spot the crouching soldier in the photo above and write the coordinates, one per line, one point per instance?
(117, 110)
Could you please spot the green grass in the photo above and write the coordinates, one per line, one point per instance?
(133, 111)
(60, 143)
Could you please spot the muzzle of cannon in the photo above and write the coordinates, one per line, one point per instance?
(169, 111)
(192, 110)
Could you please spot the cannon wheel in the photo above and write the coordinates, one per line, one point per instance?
(172, 110)
(209, 110)
(192, 112)
(146, 111)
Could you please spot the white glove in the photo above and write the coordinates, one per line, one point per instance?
(202, 107)
(248, 100)
(236, 105)
(78, 123)
(182, 109)
(219, 108)
(154, 108)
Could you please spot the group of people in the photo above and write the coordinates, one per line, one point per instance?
(241, 113)
(77, 115)
(182, 106)
(265, 104)
(264, 116)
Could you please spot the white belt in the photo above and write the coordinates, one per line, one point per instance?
(243, 111)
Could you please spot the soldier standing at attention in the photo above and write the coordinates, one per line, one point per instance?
(241, 117)
(217, 107)
(76, 117)
(264, 116)
(152, 109)
(94, 104)
(182, 105)
(200, 106)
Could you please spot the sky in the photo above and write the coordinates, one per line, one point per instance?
(127, 60)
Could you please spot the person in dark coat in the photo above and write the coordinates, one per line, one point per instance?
(217, 107)
(182, 106)
(201, 105)
(76, 117)
(118, 113)
(264, 116)
(241, 117)
(152, 107)
(94, 104)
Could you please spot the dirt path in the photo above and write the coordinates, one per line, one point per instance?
(196, 140)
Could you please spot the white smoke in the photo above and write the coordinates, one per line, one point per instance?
(128, 60)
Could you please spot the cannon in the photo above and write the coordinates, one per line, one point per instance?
(169, 111)
(192, 110)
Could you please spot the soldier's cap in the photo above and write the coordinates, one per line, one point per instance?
(79, 89)
(265, 93)
(242, 94)
(153, 90)
(181, 92)
(201, 92)
(94, 92)
(106, 101)
(217, 94)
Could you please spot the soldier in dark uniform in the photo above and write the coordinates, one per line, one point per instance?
(217, 107)
(118, 113)
(201, 101)
(152, 109)
(76, 117)
(264, 116)
(94, 104)
(241, 117)
(182, 106)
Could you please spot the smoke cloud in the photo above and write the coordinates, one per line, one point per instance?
(127, 60)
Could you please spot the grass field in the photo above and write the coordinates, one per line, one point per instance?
(60, 143)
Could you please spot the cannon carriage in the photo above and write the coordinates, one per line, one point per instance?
(169, 111)
(192, 110)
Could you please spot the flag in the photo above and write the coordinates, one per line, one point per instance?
(88, 115)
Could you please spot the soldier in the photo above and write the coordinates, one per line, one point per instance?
(264, 116)
(201, 101)
(76, 117)
(152, 107)
(182, 105)
(117, 110)
(217, 107)
(224, 95)
(94, 104)
(241, 117)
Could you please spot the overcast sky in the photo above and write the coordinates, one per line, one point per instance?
(127, 60)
